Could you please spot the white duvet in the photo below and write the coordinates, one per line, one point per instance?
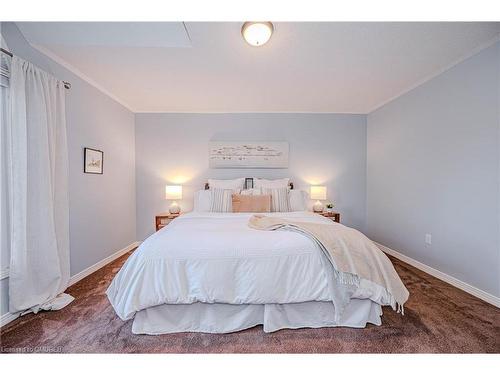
(217, 258)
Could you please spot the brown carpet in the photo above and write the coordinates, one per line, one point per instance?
(439, 318)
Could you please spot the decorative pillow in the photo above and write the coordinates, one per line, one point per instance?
(251, 192)
(280, 200)
(236, 185)
(202, 199)
(298, 200)
(221, 200)
(263, 183)
(251, 203)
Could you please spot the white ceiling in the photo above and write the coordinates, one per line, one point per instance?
(305, 67)
(104, 34)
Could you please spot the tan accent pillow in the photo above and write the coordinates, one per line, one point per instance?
(251, 203)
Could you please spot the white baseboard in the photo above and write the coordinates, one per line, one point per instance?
(485, 296)
(8, 317)
(80, 275)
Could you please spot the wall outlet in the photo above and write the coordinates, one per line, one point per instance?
(428, 239)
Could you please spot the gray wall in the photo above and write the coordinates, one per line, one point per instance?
(324, 149)
(433, 167)
(102, 207)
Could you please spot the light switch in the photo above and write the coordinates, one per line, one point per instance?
(428, 239)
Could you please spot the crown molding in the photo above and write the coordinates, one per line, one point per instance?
(251, 112)
(427, 78)
(56, 58)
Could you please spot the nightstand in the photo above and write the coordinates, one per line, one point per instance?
(162, 220)
(335, 216)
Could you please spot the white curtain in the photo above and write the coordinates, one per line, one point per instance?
(37, 163)
(4, 205)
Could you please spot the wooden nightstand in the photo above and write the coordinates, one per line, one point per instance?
(335, 216)
(162, 220)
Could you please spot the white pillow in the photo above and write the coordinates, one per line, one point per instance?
(202, 201)
(259, 183)
(236, 185)
(298, 200)
(280, 198)
(251, 192)
(221, 200)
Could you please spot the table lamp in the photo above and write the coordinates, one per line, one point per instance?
(318, 193)
(173, 192)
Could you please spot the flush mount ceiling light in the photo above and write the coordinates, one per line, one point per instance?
(257, 33)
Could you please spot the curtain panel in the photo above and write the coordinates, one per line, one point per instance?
(37, 186)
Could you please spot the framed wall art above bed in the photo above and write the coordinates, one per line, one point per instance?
(248, 154)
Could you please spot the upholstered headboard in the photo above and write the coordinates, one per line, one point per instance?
(248, 184)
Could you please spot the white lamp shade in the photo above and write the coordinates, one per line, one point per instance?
(173, 192)
(318, 192)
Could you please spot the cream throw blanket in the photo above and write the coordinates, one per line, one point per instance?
(354, 257)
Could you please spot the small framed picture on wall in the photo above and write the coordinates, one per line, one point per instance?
(92, 160)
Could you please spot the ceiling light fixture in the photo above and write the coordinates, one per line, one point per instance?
(257, 33)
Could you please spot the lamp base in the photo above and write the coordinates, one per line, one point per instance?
(174, 208)
(318, 207)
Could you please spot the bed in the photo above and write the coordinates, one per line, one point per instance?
(210, 272)
(214, 272)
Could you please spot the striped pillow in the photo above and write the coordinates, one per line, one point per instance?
(280, 200)
(221, 200)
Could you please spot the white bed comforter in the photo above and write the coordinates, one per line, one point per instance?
(217, 258)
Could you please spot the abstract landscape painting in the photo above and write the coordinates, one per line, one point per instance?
(248, 154)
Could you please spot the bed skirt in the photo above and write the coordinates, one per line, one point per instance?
(225, 318)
